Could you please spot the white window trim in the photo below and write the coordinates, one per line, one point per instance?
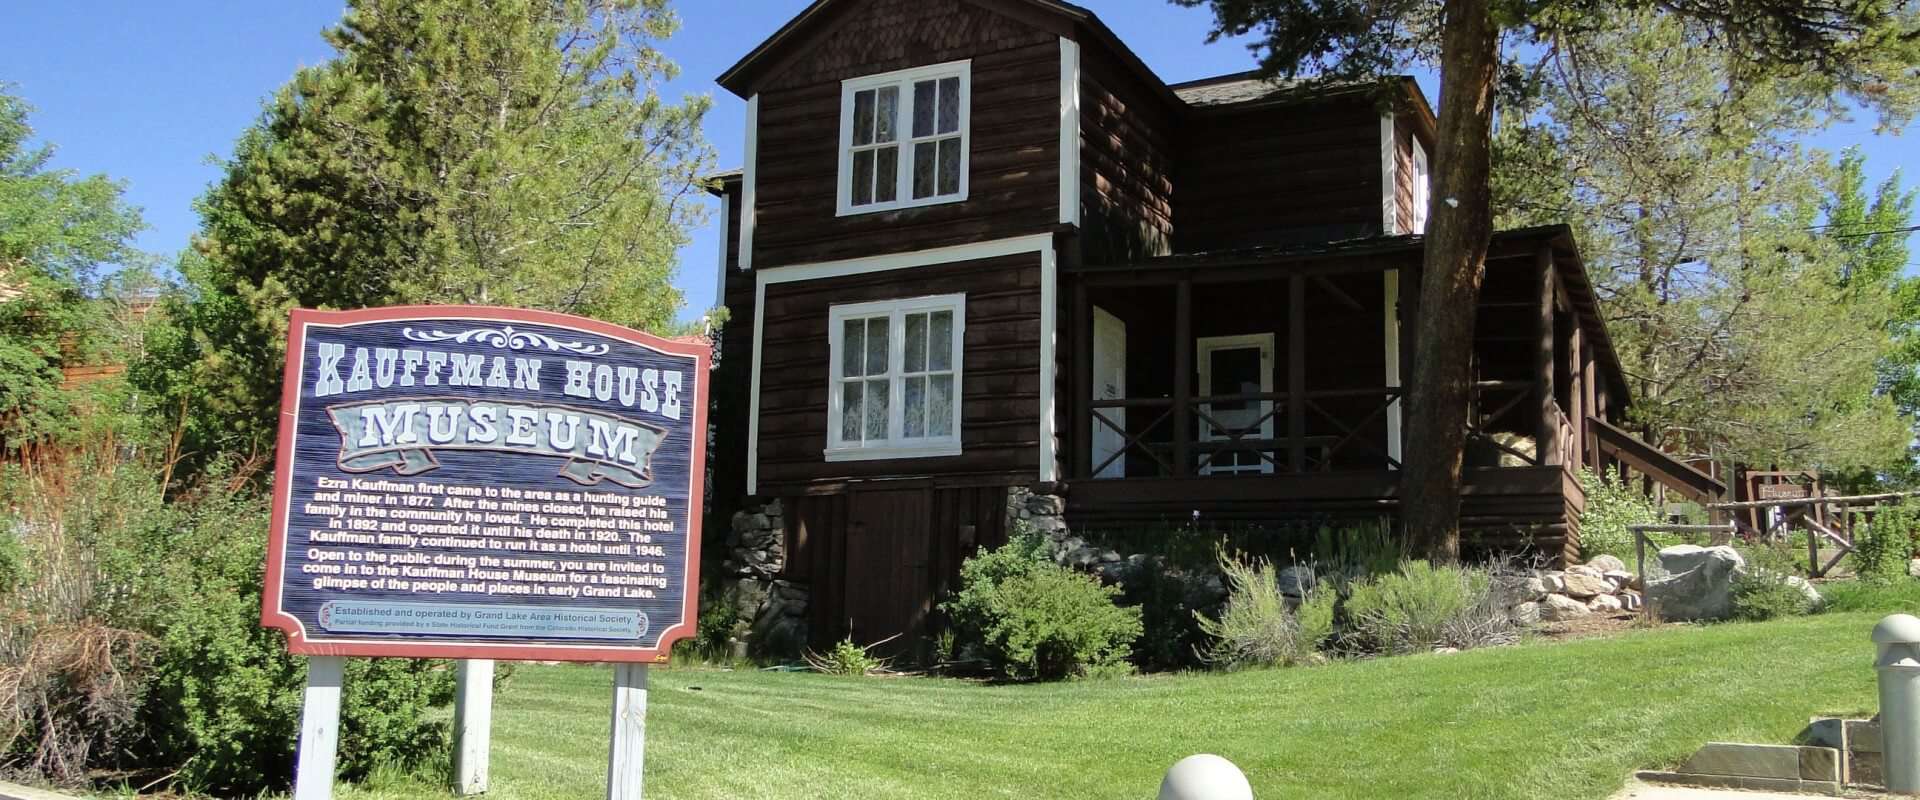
(1389, 175)
(1422, 187)
(896, 445)
(1040, 244)
(903, 194)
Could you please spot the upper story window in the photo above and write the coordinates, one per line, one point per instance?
(903, 138)
(895, 391)
(1422, 187)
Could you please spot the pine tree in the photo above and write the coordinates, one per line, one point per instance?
(507, 152)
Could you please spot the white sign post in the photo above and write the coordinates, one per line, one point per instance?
(626, 760)
(472, 724)
(319, 728)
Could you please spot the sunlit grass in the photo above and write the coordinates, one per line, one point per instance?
(1544, 720)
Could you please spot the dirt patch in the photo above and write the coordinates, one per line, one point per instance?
(1591, 627)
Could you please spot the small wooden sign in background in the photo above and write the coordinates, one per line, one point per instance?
(482, 483)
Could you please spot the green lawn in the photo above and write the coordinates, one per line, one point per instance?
(1542, 720)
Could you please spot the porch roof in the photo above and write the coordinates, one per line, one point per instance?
(1378, 253)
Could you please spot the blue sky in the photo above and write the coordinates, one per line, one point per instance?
(151, 93)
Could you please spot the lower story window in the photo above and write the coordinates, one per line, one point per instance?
(895, 391)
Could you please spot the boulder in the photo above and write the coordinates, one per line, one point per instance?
(1583, 569)
(1607, 564)
(1620, 578)
(1604, 604)
(1699, 583)
(1527, 613)
(1559, 607)
(1296, 581)
(1583, 587)
(1630, 601)
(1554, 581)
(1814, 600)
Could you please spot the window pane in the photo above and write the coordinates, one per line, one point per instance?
(914, 405)
(949, 105)
(888, 114)
(886, 178)
(877, 346)
(853, 347)
(940, 341)
(940, 406)
(949, 166)
(916, 344)
(923, 102)
(863, 117)
(850, 412)
(924, 162)
(876, 415)
(863, 177)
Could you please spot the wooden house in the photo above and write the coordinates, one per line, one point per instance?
(978, 250)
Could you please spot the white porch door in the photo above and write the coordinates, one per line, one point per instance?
(1109, 383)
(1231, 365)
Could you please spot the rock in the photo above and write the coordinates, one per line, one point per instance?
(1630, 601)
(1445, 651)
(1296, 581)
(1607, 564)
(1554, 581)
(1586, 586)
(1583, 569)
(1520, 589)
(1527, 613)
(1814, 600)
(1083, 557)
(1559, 607)
(1913, 568)
(1699, 583)
(1604, 604)
(1620, 578)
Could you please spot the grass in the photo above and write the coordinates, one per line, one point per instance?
(1541, 720)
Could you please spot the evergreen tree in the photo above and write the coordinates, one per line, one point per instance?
(508, 152)
(1872, 233)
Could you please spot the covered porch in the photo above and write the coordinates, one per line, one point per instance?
(1267, 383)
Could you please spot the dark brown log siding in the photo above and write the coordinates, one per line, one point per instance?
(1126, 163)
(1307, 172)
(1000, 376)
(1014, 162)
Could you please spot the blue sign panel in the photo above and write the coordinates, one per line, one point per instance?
(477, 482)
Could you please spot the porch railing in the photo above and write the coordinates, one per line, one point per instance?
(1323, 428)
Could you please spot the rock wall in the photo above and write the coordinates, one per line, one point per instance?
(770, 613)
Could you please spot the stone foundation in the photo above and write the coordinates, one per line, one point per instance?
(770, 613)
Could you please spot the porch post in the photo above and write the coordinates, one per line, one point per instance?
(1577, 393)
(1297, 373)
(1546, 443)
(1182, 375)
(1080, 404)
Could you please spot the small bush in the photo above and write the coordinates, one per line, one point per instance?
(1765, 589)
(1883, 545)
(1613, 507)
(846, 658)
(1030, 618)
(1256, 629)
(1358, 550)
(1421, 607)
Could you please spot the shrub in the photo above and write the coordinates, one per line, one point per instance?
(1882, 596)
(1030, 618)
(1172, 599)
(1883, 544)
(1356, 550)
(1613, 507)
(847, 658)
(1256, 629)
(1767, 588)
(132, 628)
(1421, 607)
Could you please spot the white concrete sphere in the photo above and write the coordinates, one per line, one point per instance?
(1205, 777)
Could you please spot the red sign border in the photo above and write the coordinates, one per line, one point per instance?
(272, 617)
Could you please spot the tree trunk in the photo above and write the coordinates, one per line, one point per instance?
(1458, 232)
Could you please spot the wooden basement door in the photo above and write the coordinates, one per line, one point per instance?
(888, 589)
